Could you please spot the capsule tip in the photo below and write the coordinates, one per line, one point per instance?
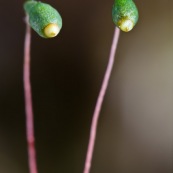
(125, 25)
(51, 30)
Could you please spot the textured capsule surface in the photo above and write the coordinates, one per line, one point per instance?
(41, 16)
(125, 14)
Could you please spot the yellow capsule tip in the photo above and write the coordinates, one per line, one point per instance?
(126, 25)
(51, 30)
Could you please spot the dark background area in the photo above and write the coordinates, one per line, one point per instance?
(135, 133)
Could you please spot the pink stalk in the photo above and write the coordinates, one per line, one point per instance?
(28, 103)
(99, 102)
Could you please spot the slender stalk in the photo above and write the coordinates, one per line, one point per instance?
(99, 102)
(28, 103)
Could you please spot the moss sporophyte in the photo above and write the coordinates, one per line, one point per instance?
(47, 22)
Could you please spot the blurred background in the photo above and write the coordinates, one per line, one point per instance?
(135, 132)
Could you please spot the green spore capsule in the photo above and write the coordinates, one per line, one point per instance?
(43, 18)
(125, 14)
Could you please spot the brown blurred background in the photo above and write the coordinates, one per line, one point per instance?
(135, 133)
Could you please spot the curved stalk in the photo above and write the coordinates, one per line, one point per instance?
(99, 102)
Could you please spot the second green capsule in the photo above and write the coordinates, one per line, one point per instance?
(125, 14)
(43, 18)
